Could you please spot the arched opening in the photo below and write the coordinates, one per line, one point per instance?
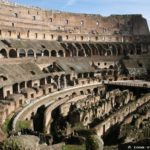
(46, 53)
(53, 53)
(29, 84)
(119, 50)
(48, 79)
(73, 49)
(138, 49)
(38, 53)
(87, 49)
(80, 75)
(30, 53)
(85, 75)
(131, 49)
(100, 49)
(56, 79)
(108, 53)
(60, 53)
(67, 52)
(81, 92)
(62, 81)
(12, 53)
(3, 52)
(22, 53)
(113, 49)
(22, 85)
(16, 88)
(81, 53)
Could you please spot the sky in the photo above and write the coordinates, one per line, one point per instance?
(102, 7)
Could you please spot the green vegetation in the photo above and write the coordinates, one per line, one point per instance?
(74, 147)
(93, 143)
(7, 125)
(11, 144)
(23, 124)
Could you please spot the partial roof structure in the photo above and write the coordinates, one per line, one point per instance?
(19, 72)
(31, 44)
(75, 65)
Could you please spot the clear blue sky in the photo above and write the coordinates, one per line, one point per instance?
(103, 7)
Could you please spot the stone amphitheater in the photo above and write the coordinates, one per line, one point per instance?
(67, 78)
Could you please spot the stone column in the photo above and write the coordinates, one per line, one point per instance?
(65, 82)
(59, 86)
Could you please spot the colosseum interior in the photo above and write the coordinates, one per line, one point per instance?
(69, 79)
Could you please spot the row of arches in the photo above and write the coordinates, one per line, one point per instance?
(77, 49)
(88, 49)
(12, 53)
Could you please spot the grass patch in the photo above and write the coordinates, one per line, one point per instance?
(23, 124)
(7, 126)
(74, 147)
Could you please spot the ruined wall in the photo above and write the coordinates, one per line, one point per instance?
(34, 23)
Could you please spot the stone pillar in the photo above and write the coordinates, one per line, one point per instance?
(65, 82)
(59, 86)
(34, 54)
(17, 54)
(45, 81)
(25, 85)
(77, 52)
(19, 88)
(57, 55)
(42, 53)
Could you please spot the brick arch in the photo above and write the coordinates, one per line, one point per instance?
(30, 53)
(21, 53)
(113, 49)
(46, 53)
(120, 49)
(38, 53)
(138, 49)
(12, 53)
(101, 50)
(131, 49)
(4, 53)
(61, 53)
(53, 53)
(87, 49)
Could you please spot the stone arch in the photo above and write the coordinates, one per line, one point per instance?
(56, 79)
(87, 49)
(82, 92)
(67, 52)
(38, 53)
(108, 53)
(74, 94)
(113, 50)
(80, 75)
(125, 49)
(85, 74)
(46, 53)
(138, 49)
(3, 52)
(65, 47)
(21, 53)
(74, 50)
(94, 49)
(62, 81)
(30, 53)
(101, 50)
(119, 49)
(53, 53)
(12, 53)
(131, 49)
(48, 79)
(80, 53)
(61, 53)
